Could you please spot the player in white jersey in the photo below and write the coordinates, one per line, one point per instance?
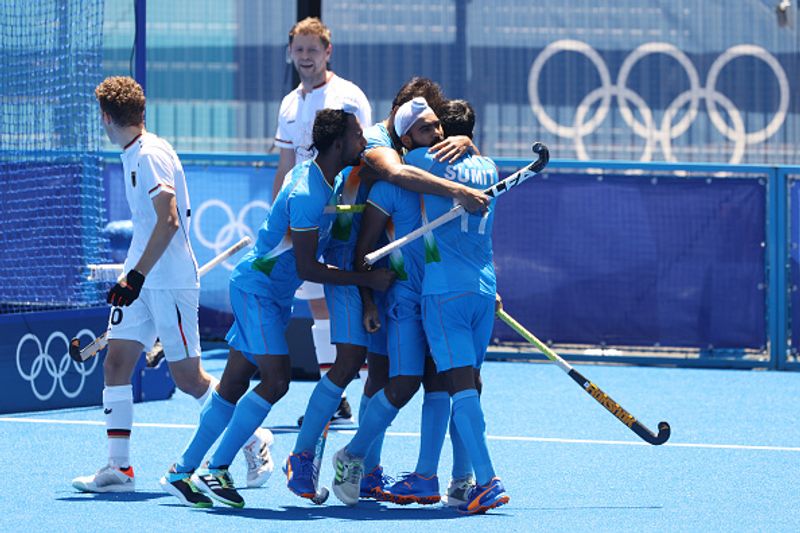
(310, 50)
(159, 293)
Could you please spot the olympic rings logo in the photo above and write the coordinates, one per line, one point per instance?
(232, 231)
(45, 364)
(648, 128)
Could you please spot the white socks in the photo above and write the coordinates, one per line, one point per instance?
(118, 408)
(211, 388)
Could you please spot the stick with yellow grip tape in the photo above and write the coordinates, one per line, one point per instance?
(593, 390)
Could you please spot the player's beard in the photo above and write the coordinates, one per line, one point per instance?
(415, 144)
(352, 162)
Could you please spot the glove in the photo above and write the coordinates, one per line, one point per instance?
(126, 291)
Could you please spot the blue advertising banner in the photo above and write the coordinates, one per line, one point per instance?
(38, 373)
(635, 260)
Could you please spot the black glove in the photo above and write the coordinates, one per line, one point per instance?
(126, 292)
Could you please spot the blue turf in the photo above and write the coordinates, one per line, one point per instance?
(554, 485)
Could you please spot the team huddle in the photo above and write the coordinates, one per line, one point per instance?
(422, 316)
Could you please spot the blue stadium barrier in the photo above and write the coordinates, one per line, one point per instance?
(670, 262)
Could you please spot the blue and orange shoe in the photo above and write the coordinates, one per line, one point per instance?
(301, 474)
(374, 483)
(413, 488)
(481, 498)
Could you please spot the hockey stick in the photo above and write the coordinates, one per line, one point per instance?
(494, 191)
(80, 355)
(320, 493)
(593, 390)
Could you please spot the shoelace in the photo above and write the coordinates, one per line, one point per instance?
(354, 472)
(308, 470)
(405, 478)
(250, 457)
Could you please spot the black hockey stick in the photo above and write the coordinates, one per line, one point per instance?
(593, 390)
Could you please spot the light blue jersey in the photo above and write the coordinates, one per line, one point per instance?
(270, 268)
(408, 262)
(458, 255)
(406, 338)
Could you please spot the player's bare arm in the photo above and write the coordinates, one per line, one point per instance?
(309, 269)
(167, 224)
(452, 148)
(389, 166)
(286, 160)
(373, 222)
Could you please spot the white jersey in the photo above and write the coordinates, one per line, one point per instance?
(298, 110)
(151, 166)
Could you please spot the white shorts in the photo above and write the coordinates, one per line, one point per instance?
(166, 314)
(310, 291)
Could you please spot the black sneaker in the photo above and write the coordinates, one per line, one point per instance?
(218, 483)
(180, 485)
(155, 355)
(342, 416)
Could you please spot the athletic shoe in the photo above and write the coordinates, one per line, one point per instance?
(218, 483)
(484, 497)
(301, 474)
(180, 485)
(348, 471)
(155, 355)
(414, 488)
(107, 479)
(373, 484)
(342, 417)
(458, 490)
(259, 460)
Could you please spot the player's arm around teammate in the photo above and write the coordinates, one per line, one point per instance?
(458, 303)
(301, 475)
(385, 159)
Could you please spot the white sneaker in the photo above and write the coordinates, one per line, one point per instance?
(347, 479)
(259, 460)
(107, 479)
(458, 490)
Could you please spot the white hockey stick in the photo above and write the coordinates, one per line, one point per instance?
(494, 191)
(93, 348)
(105, 272)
